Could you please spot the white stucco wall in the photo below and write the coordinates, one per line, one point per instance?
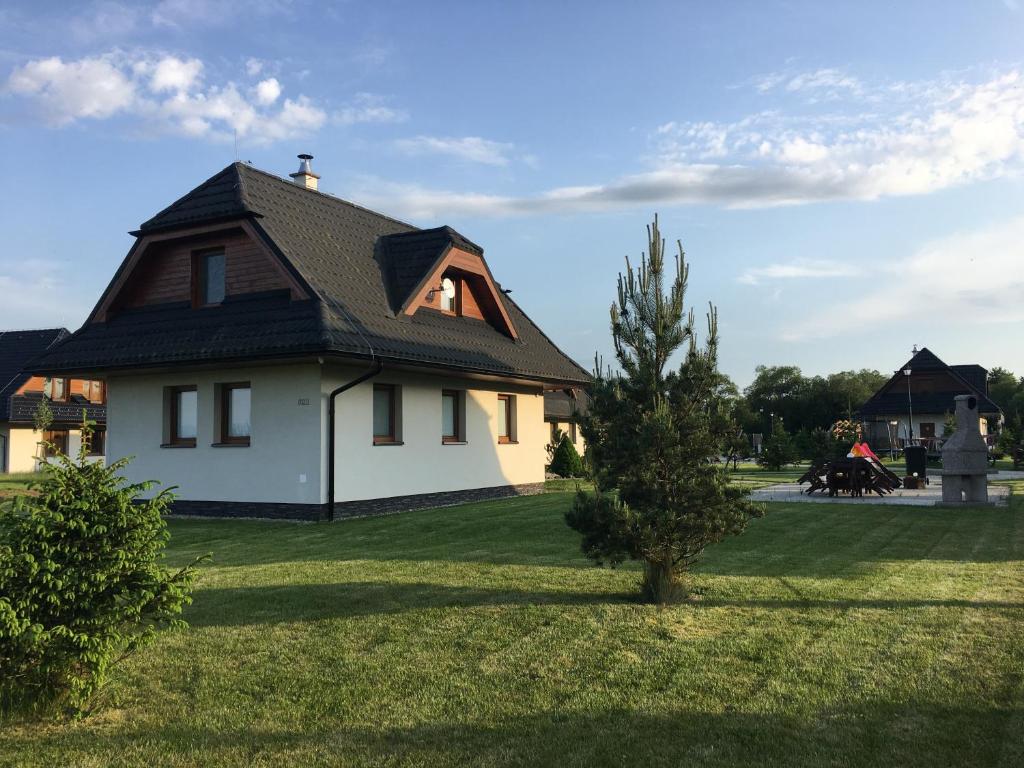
(281, 464)
(22, 449)
(422, 464)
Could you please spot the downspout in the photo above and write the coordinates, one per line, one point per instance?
(378, 366)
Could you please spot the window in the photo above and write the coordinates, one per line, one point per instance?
(55, 442)
(95, 391)
(56, 389)
(184, 416)
(98, 444)
(452, 303)
(208, 271)
(385, 414)
(572, 432)
(235, 413)
(506, 418)
(453, 416)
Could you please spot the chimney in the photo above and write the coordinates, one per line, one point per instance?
(305, 176)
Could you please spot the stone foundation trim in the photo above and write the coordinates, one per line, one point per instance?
(348, 509)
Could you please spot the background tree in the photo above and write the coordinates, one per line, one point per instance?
(651, 435)
(81, 582)
(42, 418)
(778, 450)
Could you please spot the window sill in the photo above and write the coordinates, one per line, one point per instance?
(388, 442)
(454, 442)
(177, 445)
(508, 442)
(230, 445)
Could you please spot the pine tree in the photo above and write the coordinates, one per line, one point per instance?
(651, 435)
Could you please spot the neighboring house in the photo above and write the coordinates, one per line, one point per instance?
(255, 312)
(21, 392)
(933, 386)
(561, 411)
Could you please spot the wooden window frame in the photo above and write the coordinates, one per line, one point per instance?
(173, 439)
(508, 403)
(58, 439)
(66, 390)
(459, 437)
(392, 437)
(225, 414)
(198, 286)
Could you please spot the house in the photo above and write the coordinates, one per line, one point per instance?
(274, 351)
(21, 393)
(933, 387)
(561, 411)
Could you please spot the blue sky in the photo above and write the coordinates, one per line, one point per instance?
(845, 177)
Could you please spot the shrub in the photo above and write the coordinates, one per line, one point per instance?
(566, 461)
(81, 583)
(778, 449)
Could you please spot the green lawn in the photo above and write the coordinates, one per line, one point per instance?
(828, 635)
(12, 485)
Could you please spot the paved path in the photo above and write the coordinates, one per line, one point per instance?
(929, 497)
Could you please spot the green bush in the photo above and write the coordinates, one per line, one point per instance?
(778, 450)
(566, 461)
(81, 583)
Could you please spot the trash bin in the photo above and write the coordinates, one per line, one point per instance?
(917, 461)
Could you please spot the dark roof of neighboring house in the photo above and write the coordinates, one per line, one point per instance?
(65, 414)
(559, 405)
(963, 380)
(359, 266)
(17, 349)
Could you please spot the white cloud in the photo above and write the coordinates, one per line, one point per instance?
(67, 91)
(941, 135)
(163, 94)
(253, 67)
(187, 13)
(267, 91)
(173, 74)
(368, 108)
(469, 148)
(813, 270)
(966, 278)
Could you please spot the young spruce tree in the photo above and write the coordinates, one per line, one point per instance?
(652, 435)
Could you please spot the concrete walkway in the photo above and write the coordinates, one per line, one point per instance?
(928, 497)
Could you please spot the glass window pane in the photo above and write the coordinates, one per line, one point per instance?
(213, 278)
(503, 417)
(448, 415)
(382, 412)
(239, 412)
(187, 414)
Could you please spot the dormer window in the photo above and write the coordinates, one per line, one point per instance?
(208, 273)
(450, 296)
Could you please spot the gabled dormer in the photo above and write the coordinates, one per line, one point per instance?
(439, 270)
(202, 251)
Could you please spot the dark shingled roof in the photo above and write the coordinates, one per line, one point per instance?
(560, 406)
(17, 349)
(359, 264)
(65, 414)
(886, 403)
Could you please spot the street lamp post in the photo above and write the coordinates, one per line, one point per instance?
(910, 407)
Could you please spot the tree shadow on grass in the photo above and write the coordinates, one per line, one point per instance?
(270, 604)
(238, 606)
(877, 733)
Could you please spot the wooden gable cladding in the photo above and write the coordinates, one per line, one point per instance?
(477, 295)
(160, 268)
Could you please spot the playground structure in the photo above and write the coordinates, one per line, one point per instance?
(861, 470)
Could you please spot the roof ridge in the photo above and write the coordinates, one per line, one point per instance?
(326, 195)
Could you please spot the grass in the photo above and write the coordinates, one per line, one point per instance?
(827, 635)
(14, 484)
